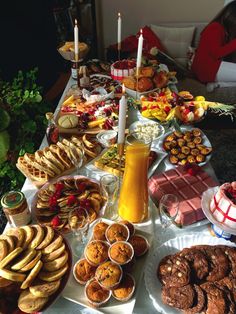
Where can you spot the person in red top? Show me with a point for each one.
(217, 42)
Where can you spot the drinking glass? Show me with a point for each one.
(109, 186)
(168, 210)
(79, 224)
(76, 155)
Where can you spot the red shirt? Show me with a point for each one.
(211, 49)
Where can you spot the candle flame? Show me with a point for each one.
(75, 22)
(141, 31)
(119, 15)
(123, 89)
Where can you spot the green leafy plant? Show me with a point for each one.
(22, 125)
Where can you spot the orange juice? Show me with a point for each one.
(133, 201)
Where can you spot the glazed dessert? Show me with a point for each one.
(117, 232)
(122, 68)
(83, 271)
(121, 252)
(96, 294)
(140, 245)
(223, 204)
(96, 252)
(99, 231)
(109, 275)
(185, 184)
(199, 279)
(125, 289)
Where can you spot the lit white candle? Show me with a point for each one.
(140, 49)
(122, 117)
(76, 41)
(119, 32)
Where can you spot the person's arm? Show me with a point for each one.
(215, 42)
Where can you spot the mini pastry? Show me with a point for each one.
(109, 275)
(185, 150)
(129, 82)
(121, 252)
(167, 145)
(178, 134)
(96, 294)
(140, 245)
(194, 152)
(173, 159)
(200, 158)
(174, 151)
(117, 232)
(96, 252)
(125, 289)
(206, 151)
(196, 132)
(99, 231)
(130, 227)
(191, 145)
(144, 84)
(197, 140)
(181, 142)
(83, 271)
(191, 159)
(181, 156)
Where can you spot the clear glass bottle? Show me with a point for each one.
(52, 131)
(74, 69)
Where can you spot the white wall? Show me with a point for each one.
(137, 13)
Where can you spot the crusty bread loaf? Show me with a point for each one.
(68, 121)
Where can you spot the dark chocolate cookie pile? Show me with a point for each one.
(200, 279)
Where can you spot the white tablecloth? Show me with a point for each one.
(143, 302)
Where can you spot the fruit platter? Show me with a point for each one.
(53, 202)
(35, 264)
(166, 105)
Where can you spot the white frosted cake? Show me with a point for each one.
(223, 204)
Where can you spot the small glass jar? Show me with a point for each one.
(16, 209)
(74, 69)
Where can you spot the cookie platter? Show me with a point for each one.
(35, 263)
(52, 203)
(153, 285)
(75, 291)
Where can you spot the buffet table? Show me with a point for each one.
(143, 303)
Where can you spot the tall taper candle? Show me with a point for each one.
(140, 49)
(122, 117)
(76, 41)
(119, 31)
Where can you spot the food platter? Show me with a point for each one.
(172, 246)
(75, 292)
(206, 199)
(152, 128)
(13, 293)
(74, 191)
(205, 141)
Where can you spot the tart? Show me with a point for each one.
(125, 289)
(96, 252)
(140, 245)
(117, 232)
(109, 275)
(121, 252)
(83, 271)
(96, 294)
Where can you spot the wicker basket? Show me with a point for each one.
(67, 50)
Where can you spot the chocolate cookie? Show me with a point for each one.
(216, 302)
(179, 297)
(231, 253)
(198, 303)
(228, 283)
(218, 260)
(198, 262)
(174, 271)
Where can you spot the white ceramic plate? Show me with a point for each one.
(75, 292)
(134, 127)
(205, 141)
(206, 199)
(153, 285)
(137, 95)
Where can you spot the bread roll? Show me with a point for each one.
(68, 121)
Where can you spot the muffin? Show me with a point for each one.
(124, 291)
(140, 245)
(96, 294)
(130, 227)
(128, 268)
(96, 252)
(117, 232)
(109, 275)
(99, 231)
(83, 271)
(121, 252)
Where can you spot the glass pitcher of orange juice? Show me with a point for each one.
(133, 200)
